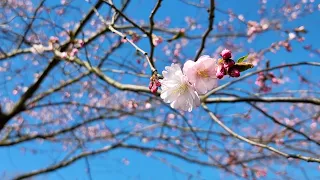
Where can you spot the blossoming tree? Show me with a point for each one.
(209, 83)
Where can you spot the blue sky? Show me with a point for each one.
(110, 165)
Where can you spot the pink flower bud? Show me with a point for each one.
(135, 38)
(158, 84)
(260, 83)
(123, 40)
(64, 55)
(275, 80)
(81, 43)
(54, 39)
(228, 63)
(150, 85)
(156, 40)
(234, 72)
(154, 89)
(265, 89)
(226, 54)
(220, 71)
(313, 125)
(74, 52)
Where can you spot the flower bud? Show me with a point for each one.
(64, 55)
(150, 84)
(81, 43)
(228, 63)
(154, 89)
(275, 80)
(234, 72)
(157, 83)
(226, 54)
(220, 71)
(54, 39)
(74, 52)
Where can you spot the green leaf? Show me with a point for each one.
(243, 58)
(243, 66)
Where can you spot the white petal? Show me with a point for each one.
(176, 89)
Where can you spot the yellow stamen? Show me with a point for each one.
(181, 89)
(203, 73)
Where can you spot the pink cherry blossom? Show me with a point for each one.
(202, 73)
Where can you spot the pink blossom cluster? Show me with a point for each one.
(262, 81)
(255, 27)
(181, 88)
(154, 84)
(226, 65)
(134, 37)
(73, 49)
(156, 40)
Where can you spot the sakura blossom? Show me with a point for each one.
(202, 73)
(177, 90)
(82, 89)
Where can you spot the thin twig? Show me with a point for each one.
(210, 27)
(151, 18)
(112, 29)
(234, 134)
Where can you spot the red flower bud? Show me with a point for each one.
(154, 89)
(150, 85)
(220, 71)
(234, 72)
(228, 63)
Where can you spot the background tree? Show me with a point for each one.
(75, 99)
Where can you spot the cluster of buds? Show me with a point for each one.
(156, 40)
(78, 43)
(73, 50)
(262, 81)
(134, 37)
(154, 83)
(255, 27)
(227, 65)
(53, 42)
(286, 45)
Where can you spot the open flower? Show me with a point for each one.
(202, 73)
(177, 90)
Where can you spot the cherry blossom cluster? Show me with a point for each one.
(227, 65)
(156, 40)
(73, 49)
(53, 44)
(182, 87)
(262, 81)
(154, 83)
